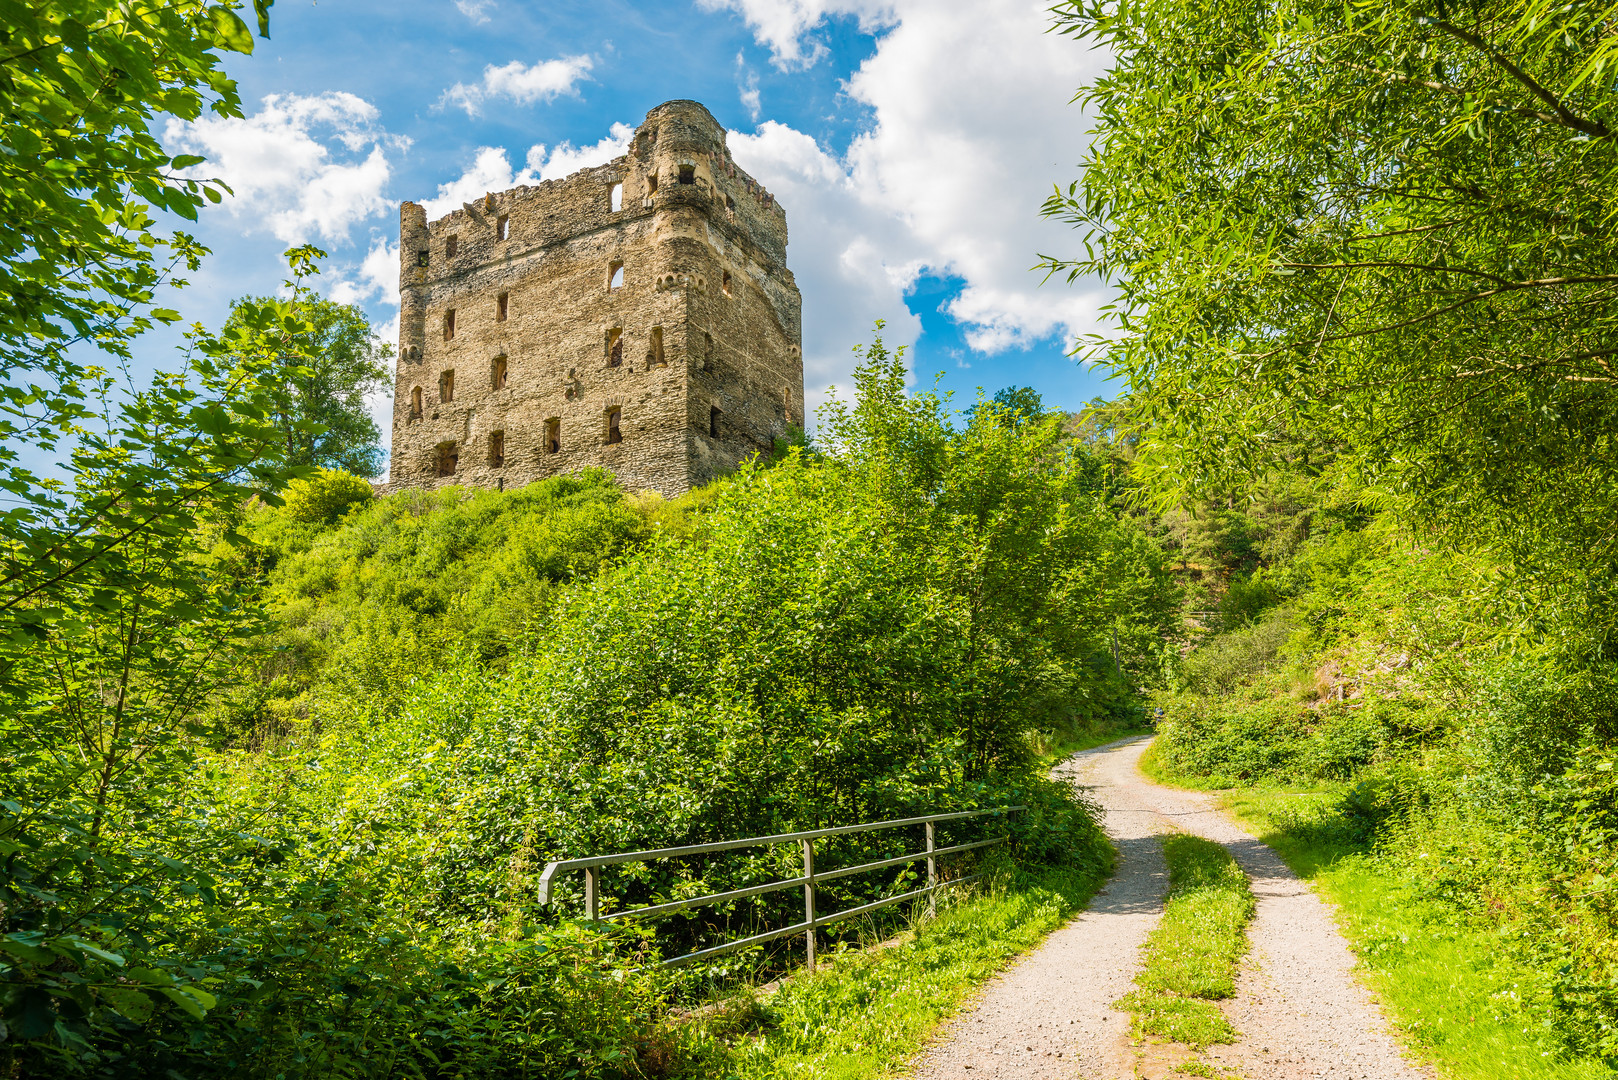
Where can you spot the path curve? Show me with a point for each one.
(1298, 1008)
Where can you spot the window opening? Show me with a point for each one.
(415, 404)
(688, 174)
(449, 324)
(707, 351)
(724, 283)
(553, 435)
(446, 388)
(448, 458)
(502, 304)
(497, 449)
(618, 196)
(615, 274)
(654, 354)
(422, 257)
(614, 430)
(730, 204)
(497, 374)
(615, 348)
(651, 183)
(452, 244)
(713, 422)
(502, 227)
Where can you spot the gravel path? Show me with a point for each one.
(1298, 1007)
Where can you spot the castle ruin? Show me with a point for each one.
(638, 316)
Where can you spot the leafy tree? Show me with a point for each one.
(118, 633)
(320, 393)
(1384, 226)
(82, 85)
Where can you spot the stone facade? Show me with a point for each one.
(638, 316)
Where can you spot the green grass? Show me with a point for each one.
(1448, 983)
(869, 1012)
(1190, 958)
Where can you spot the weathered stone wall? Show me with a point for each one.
(508, 311)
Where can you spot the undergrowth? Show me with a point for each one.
(1190, 958)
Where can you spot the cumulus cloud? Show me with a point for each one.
(852, 260)
(302, 167)
(783, 25)
(491, 168)
(520, 83)
(970, 127)
(377, 276)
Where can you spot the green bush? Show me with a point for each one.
(325, 495)
(1229, 660)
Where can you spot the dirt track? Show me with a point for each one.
(1298, 1008)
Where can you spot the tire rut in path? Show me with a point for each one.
(1300, 1012)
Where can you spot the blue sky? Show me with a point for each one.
(910, 142)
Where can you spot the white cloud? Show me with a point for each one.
(476, 10)
(970, 128)
(781, 25)
(303, 167)
(852, 260)
(377, 276)
(747, 88)
(519, 82)
(491, 169)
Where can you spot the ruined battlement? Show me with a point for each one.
(638, 316)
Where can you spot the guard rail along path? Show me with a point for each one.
(591, 865)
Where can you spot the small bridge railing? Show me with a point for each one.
(932, 853)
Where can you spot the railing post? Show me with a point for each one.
(592, 899)
(932, 872)
(809, 899)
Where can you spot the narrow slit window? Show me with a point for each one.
(707, 351)
(502, 304)
(553, 435)
(713, 422)
(617, 196)
(688, 174)
(724, 283)
(452, 244)
(446, 388)
(654, 352)
(651, 183)
(615, 348)
(615, 274)
(497, 373)
(497, 449)
(449, 324)
(415, 404)
(615, 433)
(448, 459)
(502, 227)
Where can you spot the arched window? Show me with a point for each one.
(415, 404)
(615, 418)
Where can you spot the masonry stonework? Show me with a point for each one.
(638, 316)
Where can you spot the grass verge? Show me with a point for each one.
(870, 1011)
(1190, 958)
(1447, 982)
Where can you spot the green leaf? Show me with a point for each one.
(233, 34)
(132, 1003)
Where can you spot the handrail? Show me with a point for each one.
(591, 866)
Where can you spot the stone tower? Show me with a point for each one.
(638, 316)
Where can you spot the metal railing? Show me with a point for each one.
(811, 921)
